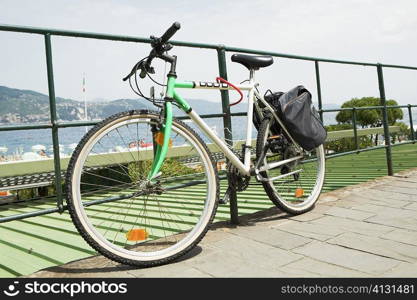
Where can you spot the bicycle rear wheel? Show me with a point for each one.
(294, 186)
(123, 215)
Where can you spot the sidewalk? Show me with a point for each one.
(364, 230)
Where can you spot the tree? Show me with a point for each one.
(369, 117)
(404, 132)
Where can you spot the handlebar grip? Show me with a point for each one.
(170, 32)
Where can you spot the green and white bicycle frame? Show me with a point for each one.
(253, 98)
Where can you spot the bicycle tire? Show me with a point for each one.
(283, 195)
(92, 236)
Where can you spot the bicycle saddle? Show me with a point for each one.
(253, 62)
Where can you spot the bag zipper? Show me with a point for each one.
(291, 101)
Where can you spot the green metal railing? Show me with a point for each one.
(55, 125)
(386, 131)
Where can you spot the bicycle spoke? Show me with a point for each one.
(128, 211)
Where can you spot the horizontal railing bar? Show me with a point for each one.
(122, 197)
(398, 67)
(92, 123)
(318, 59)
(95, 35)
(335, 109)
(77, 123)
(30, 214)
(90, 203)
(300, 57)
(364, 150)
(355, 151)
(367, 107)
(208, 116)
(358, 151)
(25, 127)
(404, 143)
(113, 37)
(69, 33)
(239, 114)
(110, 199)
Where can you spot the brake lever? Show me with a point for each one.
(145, 70)
(140, 65)
(135, 67)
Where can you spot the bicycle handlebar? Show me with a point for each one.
(170, 32)
(159, 46)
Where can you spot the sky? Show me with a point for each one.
(365, 30)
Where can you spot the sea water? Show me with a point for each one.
(18, 142)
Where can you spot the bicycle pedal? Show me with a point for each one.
(226, 197)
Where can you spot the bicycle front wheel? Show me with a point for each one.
(122, 214)
(296, 185)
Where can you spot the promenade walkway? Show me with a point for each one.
(363, 230)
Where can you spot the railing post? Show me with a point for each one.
(388, 152)
(410, 115)
(316, 64)
(355, 130)
(227, 125)
(53, 115)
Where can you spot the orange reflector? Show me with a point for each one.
(159, 139)
(274, 137)
(137, 234)
(299, 193)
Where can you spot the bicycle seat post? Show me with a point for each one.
(251, 75)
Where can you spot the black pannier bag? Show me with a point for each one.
(272, 99)
(297, 113)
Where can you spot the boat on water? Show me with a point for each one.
(37, 148)
(140, 144)
(33, 156)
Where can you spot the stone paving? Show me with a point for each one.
(366, 230)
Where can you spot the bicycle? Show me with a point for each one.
(143, 187)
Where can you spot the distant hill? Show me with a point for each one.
(25, 106)
(22, 106)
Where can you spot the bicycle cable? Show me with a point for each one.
(137, 90)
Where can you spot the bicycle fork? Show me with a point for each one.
(161, 139)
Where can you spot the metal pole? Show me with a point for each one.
(355, 130)
(410, 115)
(316, 64)
(54, 118)
(227, 125)
(388, 152)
